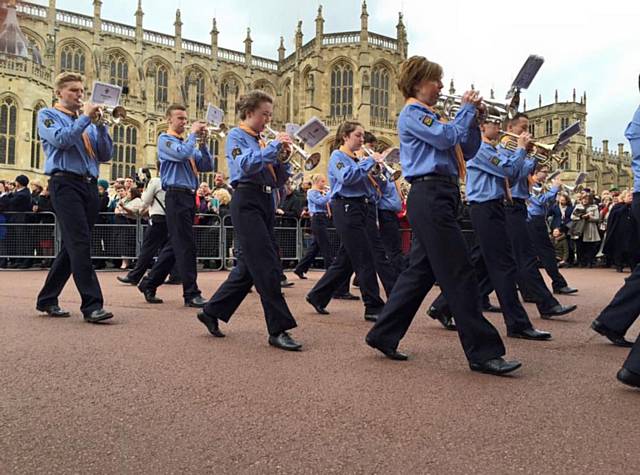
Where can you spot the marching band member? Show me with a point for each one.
(389, 205)
(318, 203)
(432, 154)
(617, 317)
(74, 148)
(350, 197)
(180, 161)
(255, 172)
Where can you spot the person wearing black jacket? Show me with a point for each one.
(19, 201)
(621, 240)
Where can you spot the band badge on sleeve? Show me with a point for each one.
(235, 152)
(495, 161)
(339, 165)
(168, 143)
(427, 121)
(48, 123)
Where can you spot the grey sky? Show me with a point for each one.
(586, 45)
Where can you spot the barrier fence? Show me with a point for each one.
(36, 236)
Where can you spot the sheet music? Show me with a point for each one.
(107, 94)
(565, 136)
(581, 178)
(312, 132)
(214, 115)
(526, 74)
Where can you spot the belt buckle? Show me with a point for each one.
(267, 189)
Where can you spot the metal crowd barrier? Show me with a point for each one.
(37, 236)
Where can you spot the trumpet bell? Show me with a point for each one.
(118, 114)
(312, 161)
(395, 175)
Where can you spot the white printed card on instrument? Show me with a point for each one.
(214, 115)
(312, 132)
(107, 94)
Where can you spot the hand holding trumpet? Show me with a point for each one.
(91, 110)
(524, 139)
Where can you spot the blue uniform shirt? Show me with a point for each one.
(174, 155)
(247, 160)
(390, 199)
(317, 202)
(539, 204)
(633, 136)
(520, 183)
(61, 136)
(348, 177)
(486, 173)
(427, 145)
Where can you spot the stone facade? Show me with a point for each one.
(333, 76)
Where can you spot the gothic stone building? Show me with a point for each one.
(333, 76)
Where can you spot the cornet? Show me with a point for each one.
(109, 116)
(309, 160)
(495, 111)
(380, 167)
(542, 152)
(218, 131)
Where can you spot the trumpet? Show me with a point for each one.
(111, 116)
(380, 167)
(218, 131)
(542, 152)
(309, 160)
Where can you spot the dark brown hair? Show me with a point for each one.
(415, 70)
(174, 107)
(250, 102)
(344, 130)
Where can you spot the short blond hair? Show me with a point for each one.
(66, 77)
(222, 195)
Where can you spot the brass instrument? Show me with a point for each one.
(308, 160)
(380, 167)
(109, 115)
(542, 152)
(495, 111)
(218, 131)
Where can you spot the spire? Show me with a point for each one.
(539, 100)
(556, 96)
(574, 94)
(97, 5)
(178, 21)
(525, 105)
(12, 40)
(214, 27)
(319, 23)
(139, 15)
(281, 49)
(491, 94)
(452, 89)
(247, 43)
(299, 35)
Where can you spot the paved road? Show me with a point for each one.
(153, 393)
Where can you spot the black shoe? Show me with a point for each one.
(491, 308)
(557, 310)
(613, 336)
(286, 283)
(98, 316)
(284, 342)
(211, 323)
(497, 366)
(300, 274)
(347, 296)
(196, 302)
(316, 307)
(371, 317)
(390, 353)
(173, 281)
(126, 280)
(150, 297)
(629, 378)
(53, 311)
(445, 320)
(530, 334)
(566, 290)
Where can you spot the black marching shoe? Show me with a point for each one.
(284, 342)
(566, 290)
(316, 307)
(347, 296)
(558, 310)
(98, 316)
(613, 336)
(391, 353)
(629, 378)
(491, 308)
(496, 366)
(53, 311)
(445, 320)
(286, 283)
(150, 297)
(195, 302)
(211, 323)
(371, 316)
(126, 280)
(530, 334)
(300, 274)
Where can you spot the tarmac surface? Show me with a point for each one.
(152, 392)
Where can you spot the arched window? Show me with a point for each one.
(579, 160)
(287, 103)
(160, 73)
(341, 90)
(8, 126)
(118, 69)
(36, 145)
(548, 127)
(380, 93)
(532, 129)
(196, 78)
(72, 59)
(565, 157)
(228, 86)
(125, 146)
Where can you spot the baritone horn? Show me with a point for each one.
(309, 160)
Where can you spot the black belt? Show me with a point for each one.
(515, 201)
(180, 189)
(451, 179)
(319, 214)
(500, 201)
(358, 199)
(254, 186)
(75, 176)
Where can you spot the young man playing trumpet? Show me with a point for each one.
(74, 148)
(433, 153)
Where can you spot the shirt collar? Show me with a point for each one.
(173, 133)
(347, 151)
(64, 110)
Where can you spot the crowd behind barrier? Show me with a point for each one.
(30, 236)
